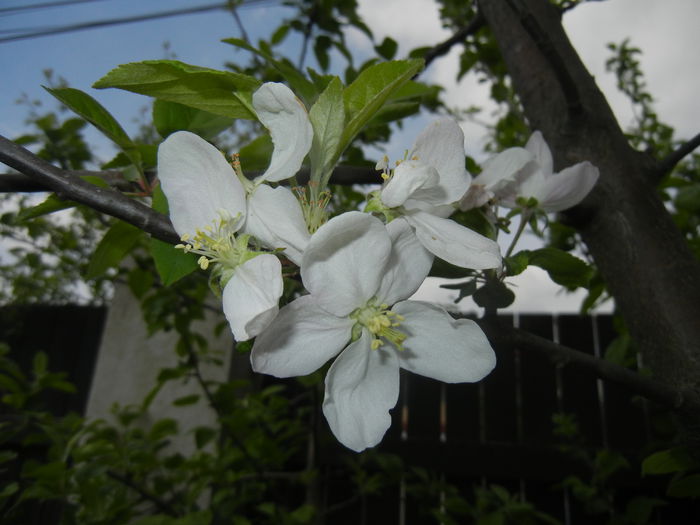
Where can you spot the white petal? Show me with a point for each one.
(285, 117)
(454, 243)
(300, 340)
(441, 210)
(343, 263)
(275, 219)
(198, 182)
(539, 148)
(362, 385)
(533, 184)
(441, 145)
(475, 197)
(499, 179)
(568, 187)
(251, 296)
(501, 170)
(408, 264)
(438, 346)
(408, 177)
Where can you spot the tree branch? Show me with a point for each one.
(444, 47)
(676, 399)
(17, 182)
(29, 183)
(642, 256)
(667, 164)
(75, 189)
(544, 43)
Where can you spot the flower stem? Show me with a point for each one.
(524, 219)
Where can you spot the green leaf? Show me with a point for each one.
(688, 198)
(163, 428)
(203, 436)
(370, 90)
(9, 490)
(466, 289)
(198, 87)
(687, 487)
(621, 352)
(280, 34)
(668, 462)
(92, 111)
(516, 263)
(494, 294)
(169, 117)
(446, 270)
(171, 264)
(119, 240)
(321, 47)
(50, 205)
(328, 119)
(387, 49)
(639, 510)
(40, 364)
(256, 154)
(186, 400)
(297, 81)
(562, 267)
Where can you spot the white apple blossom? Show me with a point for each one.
(209, 205)
(519, 175)
(355, 269)
(421, 191)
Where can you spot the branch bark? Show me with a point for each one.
(642, 256)
(671, 161)
(665, 395)
(18, 182)
(75, 189)
(460, 36)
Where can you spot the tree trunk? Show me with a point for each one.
(642, 256)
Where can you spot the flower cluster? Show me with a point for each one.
(359, 268)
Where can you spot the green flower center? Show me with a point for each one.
(218, 244)
(313, 205)
(381, 322)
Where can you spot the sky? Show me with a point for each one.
(666, 31)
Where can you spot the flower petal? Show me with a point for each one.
(275, 219)
(362, 385)
(441, 145)
(343, 263)
(408, 266)
(499, 179)
(539, 148)
(453, 242)
(251, 296)
(408, 177)
(438, 346)
(501, 170)
(568, 187)
(198, 182)
(300, 340)
(285, 117)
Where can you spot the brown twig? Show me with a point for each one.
(500, 334)
(666, 164)
(444, 47)
(71, 188)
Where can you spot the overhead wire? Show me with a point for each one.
(11, 10)
(54, 30)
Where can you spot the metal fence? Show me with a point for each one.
(497, 431)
